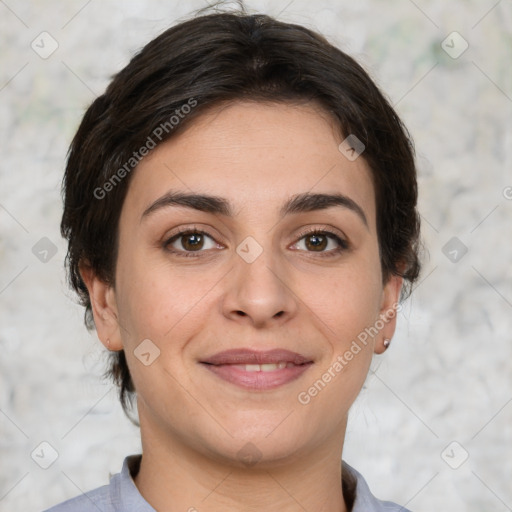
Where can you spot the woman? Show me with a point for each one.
(240, 207)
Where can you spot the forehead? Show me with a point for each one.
(254, 154)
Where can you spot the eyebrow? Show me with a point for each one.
(299, 203)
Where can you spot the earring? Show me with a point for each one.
(108, 342)
(386, 343)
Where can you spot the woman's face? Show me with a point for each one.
(256, 279)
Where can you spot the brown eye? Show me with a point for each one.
(189, 241)
(325, 243)
(192, 242)
(316, 242)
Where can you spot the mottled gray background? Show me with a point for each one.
(446, 377)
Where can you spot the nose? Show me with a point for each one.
(259, 293)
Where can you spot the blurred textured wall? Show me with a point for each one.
(433, 425)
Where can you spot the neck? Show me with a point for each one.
(174, 476)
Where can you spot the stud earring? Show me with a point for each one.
(108, 342)
(386, 343)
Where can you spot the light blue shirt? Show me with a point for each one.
(121, 495)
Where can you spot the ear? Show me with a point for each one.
(104, 308)
(388, 311)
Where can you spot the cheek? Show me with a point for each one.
(345, 306)
(157, 301)
(346, 299)
(345, 302)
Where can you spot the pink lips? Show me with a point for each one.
(230, 365)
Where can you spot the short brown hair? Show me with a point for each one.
(212, 59)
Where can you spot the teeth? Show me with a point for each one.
(269, 367)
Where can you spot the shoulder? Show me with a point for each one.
(92, 501)
(363, 499)
(120, 495)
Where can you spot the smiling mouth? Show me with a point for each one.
(244, 356)
(257, 370)
(268, 367)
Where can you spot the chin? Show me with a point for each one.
(260, 446)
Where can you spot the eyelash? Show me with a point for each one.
(344, 245)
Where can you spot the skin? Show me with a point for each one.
(193, 424)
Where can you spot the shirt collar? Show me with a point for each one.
(124, 493)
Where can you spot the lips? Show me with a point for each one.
(257, 370)
(252, 357)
